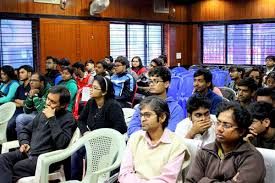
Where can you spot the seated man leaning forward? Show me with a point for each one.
(199, 124)
(230, 158)
(50, 130)
(155, 154)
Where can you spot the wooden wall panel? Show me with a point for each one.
(218, 10)
(128, 9)
(73, 39)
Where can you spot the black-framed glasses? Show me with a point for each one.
(225, 125)
(147, 115)
(155, 82)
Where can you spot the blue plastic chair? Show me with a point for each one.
(175, 87)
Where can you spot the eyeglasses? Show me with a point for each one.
(155, 82)
(147, 115)
(225, 125)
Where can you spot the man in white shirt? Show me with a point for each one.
(199, 124)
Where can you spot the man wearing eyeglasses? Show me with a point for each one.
(123, 83)
(229, 158)
(199, 124)
(262, 130)
(159, 80)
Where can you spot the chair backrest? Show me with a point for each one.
(6, 112)
(269, 160)
(228, 93)
(175, 86)
(104, 148)
(128, 113)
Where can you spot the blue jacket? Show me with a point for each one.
(176, 115)
(124, 86)
(214, 99)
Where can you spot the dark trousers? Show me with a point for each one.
(77, 164)
(15, 165)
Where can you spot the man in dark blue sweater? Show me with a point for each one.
(51, 129)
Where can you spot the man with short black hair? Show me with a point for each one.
(53, 76)
(236, 74)
(123, 83)
(202, 86)
(262, 130)
(159, 81)
(246, 91)
(81, 78)
(101, 69)
(229, 158)
(90, 67)
(51, 129)
(265, 95)
(199, 124)
(270, 64)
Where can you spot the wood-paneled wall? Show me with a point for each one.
(73, 39)
(219, 10)
(128, 9)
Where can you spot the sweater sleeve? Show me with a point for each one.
(26, 134)
(116, 117)
(11, 93)
(61, 132)
(82, 120)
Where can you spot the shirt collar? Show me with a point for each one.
(163, 139)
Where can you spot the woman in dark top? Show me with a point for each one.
(101, 111)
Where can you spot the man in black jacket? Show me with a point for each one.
(51, 129)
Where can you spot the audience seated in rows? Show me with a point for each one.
(102, 111)
(123, 82)
(202, 87)
(53, 76)
(70, 84)
(262, 130)
(51, 129)
(236, 74)
(229, 158)
(9, 86)
(25, 73)
(199, 124)
(159, 81)
(35, 101)
(154, 154)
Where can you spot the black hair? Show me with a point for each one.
(27, 68)
(9, 71)
(79, 65)
(123, 60)
(164, 58)
(238, 68)
(159, 106)
(69, 69)
(240, 115)
(64, 62)
(41, 77)
(64, 94)
(266, 92)
(256, 69)
(106, 86)
(195, 102)
(249, 82)
(207, 75)
(271, 75)
(162, 72)
(158, 61)
(55, 60)
(90, 62)
(139, 60)
(110, 58)
(261, 111)
(103, 63)
(271, 57)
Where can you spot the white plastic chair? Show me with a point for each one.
(104, 148)
(128, 113)
(57, 175)
(6, 112)
(269, 160)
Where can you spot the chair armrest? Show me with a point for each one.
(6, 146)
